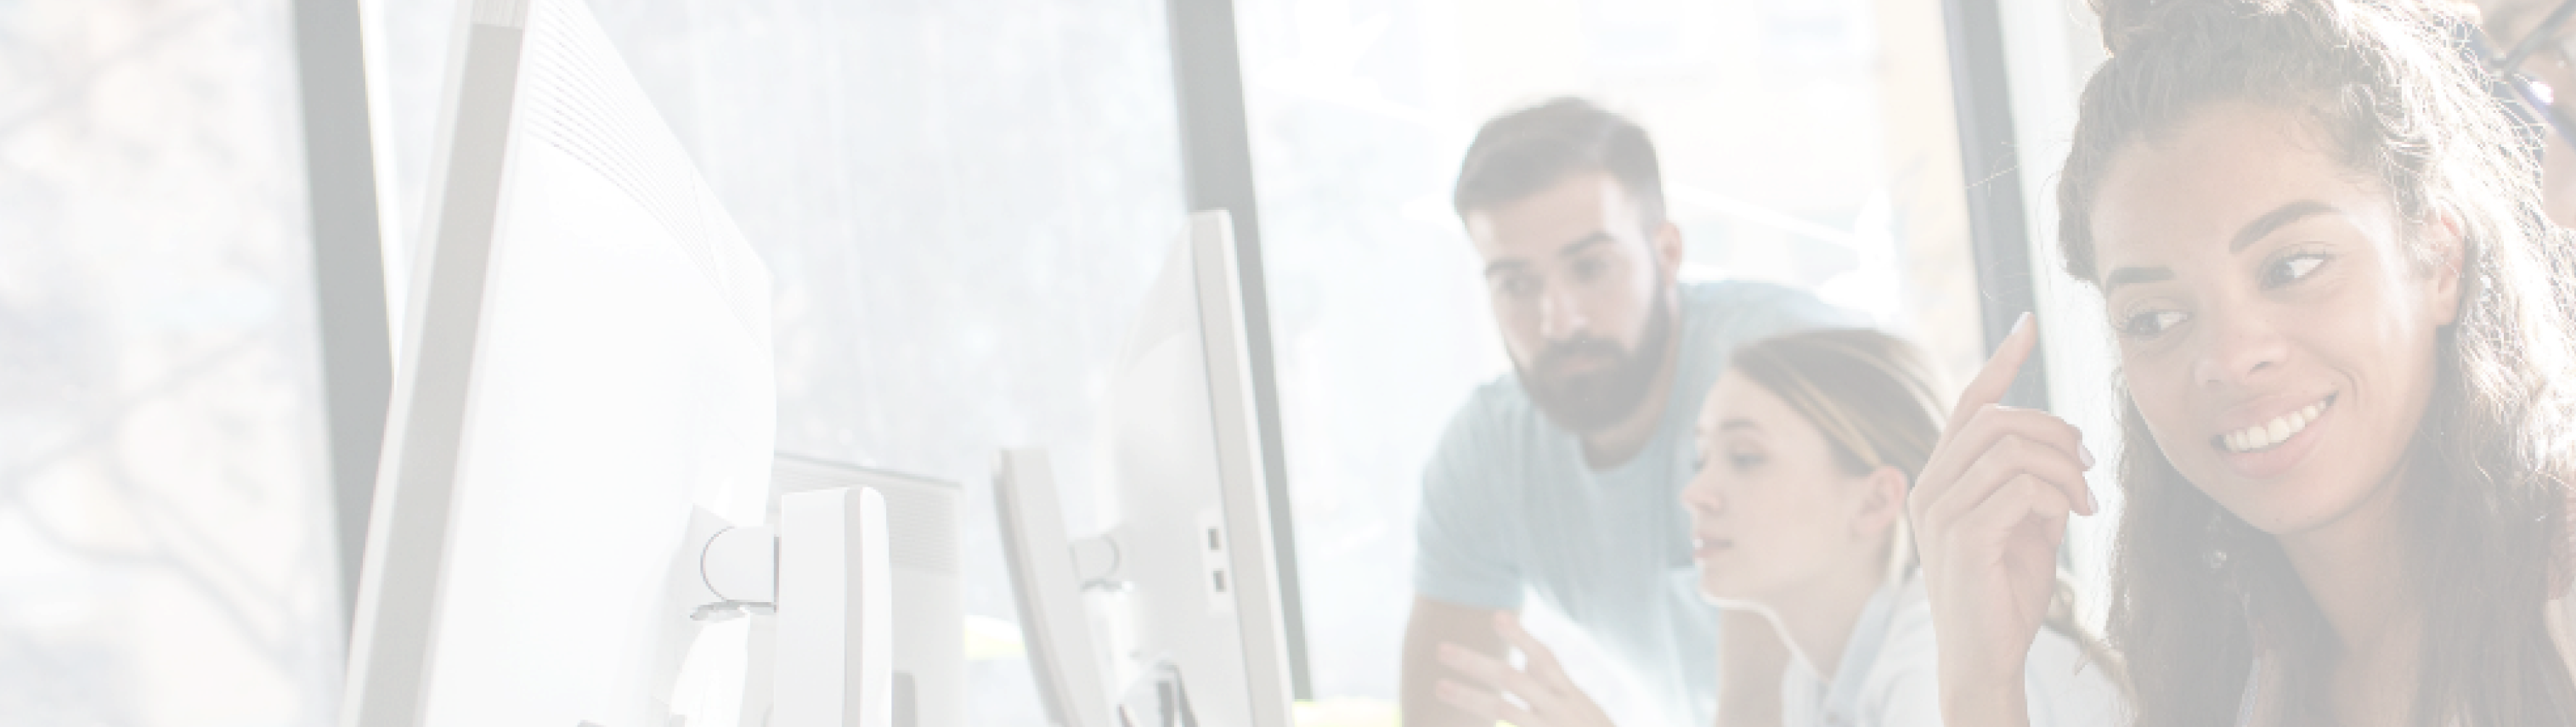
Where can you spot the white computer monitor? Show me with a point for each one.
(1184, 580)
(928, 685)
(586, 362)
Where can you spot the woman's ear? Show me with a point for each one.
(1882, 501)
(2448, 244)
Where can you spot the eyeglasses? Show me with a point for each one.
(2533, 99)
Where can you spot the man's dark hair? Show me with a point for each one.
(1519, 153)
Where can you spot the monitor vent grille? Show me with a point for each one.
(922, 528)
(504, 13)
(578, 97)
(921, 515)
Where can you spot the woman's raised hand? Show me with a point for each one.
(1539, 692)
(1989, 510)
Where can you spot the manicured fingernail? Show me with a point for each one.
(2091, 504)
(2019, 323)
(2085, 454)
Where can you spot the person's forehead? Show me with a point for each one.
(1712, 405)
(1735, 397)
(2190, 191)
(1565, 209)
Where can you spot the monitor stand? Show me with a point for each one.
(1158, 699)
(822, 580)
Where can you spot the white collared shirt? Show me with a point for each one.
(1887, 675)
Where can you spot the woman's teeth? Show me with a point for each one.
(2271, 434)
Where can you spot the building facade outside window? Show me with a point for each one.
(166, 547)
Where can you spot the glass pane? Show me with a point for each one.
(1802, 142)
(2051, 62)
(961, 204)
(164, 502)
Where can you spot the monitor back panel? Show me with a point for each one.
(592, 362)
(929, 619)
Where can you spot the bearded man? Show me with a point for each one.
(1562, 480)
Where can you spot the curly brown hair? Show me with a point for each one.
(2198, 593)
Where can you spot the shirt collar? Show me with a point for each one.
(1861, 653)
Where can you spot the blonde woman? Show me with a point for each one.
(1807, 446)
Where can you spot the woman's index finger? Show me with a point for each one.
(1995, 378)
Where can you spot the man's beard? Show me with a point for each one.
(1593, 401)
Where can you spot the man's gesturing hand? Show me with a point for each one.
(1538, 694)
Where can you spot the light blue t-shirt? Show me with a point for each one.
(1509, 507)
(1887, 675)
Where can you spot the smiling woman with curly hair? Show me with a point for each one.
(2343, 352)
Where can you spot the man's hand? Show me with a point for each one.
(1434, 623)
(1538, 694)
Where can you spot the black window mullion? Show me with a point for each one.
(1998, 226)
(1216, 164)
(348, 266)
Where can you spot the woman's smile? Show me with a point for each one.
(2277, 442)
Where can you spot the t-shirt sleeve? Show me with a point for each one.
(1462, 550)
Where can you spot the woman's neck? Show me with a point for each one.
(2353, 571)
(1818, 620)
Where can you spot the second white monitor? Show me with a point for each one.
(1185, 576)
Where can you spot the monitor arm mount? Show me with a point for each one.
(736, 573)
(1096, 561)
(823, 574)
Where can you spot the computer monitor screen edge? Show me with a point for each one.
(1189, 583)
(1054, 624)
(404, 547)
(660, 397)
(1261, 625)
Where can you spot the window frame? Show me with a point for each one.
(1215, 152)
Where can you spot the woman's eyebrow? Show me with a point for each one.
(2270, 222)
(2125, 276)
(2276, 219)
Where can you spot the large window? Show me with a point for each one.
(166, 553)
(1803, 142)
(961, 205)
